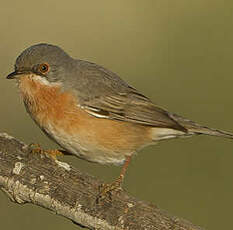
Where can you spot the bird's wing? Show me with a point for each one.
(112, 98)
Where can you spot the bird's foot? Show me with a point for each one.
(52, 153)
(35, 148)
(106, 191)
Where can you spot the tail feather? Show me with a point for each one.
(195, 128)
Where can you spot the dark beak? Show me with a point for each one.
(15, 74)
(12, 75)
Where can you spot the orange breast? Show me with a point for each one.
(52, 107)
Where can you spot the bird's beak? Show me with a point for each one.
(12, 75)
(15, 74)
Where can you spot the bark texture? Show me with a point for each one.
(38, 179)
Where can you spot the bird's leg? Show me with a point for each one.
(107, 189)
(120, 179)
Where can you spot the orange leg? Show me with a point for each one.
(120, 179)
(106, 190)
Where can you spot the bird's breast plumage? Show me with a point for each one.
(96, 139)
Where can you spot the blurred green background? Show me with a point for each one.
(179, 53)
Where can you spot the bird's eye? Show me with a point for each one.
(44, 68)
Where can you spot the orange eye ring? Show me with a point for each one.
(43, 68)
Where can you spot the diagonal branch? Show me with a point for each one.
(54, 185)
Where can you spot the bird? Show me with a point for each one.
(92, 113)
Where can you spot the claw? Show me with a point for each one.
(106, 191)
(35, 148)
(52, 153)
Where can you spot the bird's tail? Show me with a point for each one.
(194, 128)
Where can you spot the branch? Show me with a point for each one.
(38, 179)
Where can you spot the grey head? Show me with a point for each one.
(88, 80)
(46, 60)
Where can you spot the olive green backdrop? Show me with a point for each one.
(179, 53)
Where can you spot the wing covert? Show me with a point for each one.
(105, 95)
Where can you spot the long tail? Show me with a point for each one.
(194, 128)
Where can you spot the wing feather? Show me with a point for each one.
(104, 94)
(131, 108)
